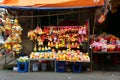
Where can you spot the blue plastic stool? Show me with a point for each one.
(60, 66)
(77, 66)
(22, 66)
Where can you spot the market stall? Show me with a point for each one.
(104, 43)
(59, 43)
(105, 49)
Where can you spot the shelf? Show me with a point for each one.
(106, 52)
(40, 59)
(73, 61)
(57, 60)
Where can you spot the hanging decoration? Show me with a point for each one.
(11, 31)
(14, 32)
(101, 13)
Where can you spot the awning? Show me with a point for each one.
(50, 4)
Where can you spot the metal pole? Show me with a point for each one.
(93, 32)
(89, 51)
(57, 20)
(49, 18)
(79, 17)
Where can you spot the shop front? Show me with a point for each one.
(54, 36)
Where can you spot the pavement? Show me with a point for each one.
(85, 75)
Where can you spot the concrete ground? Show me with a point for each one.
(94, 75)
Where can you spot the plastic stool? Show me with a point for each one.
(22, 66)
(77, 66)
(60, 66)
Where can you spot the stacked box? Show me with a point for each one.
(77, 66)
(22, 66)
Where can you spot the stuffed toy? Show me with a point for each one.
(38, 30)
(32, 35)
(17, 47)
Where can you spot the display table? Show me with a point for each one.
(29, 62)
(60, 66)
(105, 58)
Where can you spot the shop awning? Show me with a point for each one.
(50, 4)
